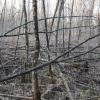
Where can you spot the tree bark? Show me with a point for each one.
(36, 92)
(47, 39)
(25, 78)
(70, 31)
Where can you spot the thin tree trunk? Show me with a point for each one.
(58, 23)
(26, 30)
(36, 92)
(24, 77)
(63, 30)
(47, 39)
(90, 22)
(57, 5)
(70, 32)
(37, 44)
(80, 24)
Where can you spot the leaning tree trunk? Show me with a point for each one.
(52, 22)
(35, 88)
(47, 38)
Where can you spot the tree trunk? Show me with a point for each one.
(36, 92)
(25, 78)
(70, 31)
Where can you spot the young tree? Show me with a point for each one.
(36, 92)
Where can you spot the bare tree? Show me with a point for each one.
(47, 38)
(52, 22)
(70, 32)
(58, 22)
(36, 92)
(26, 40)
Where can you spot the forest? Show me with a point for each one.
(49, 49)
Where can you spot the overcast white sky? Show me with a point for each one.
(18, 3)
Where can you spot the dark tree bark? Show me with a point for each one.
(36, 92)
